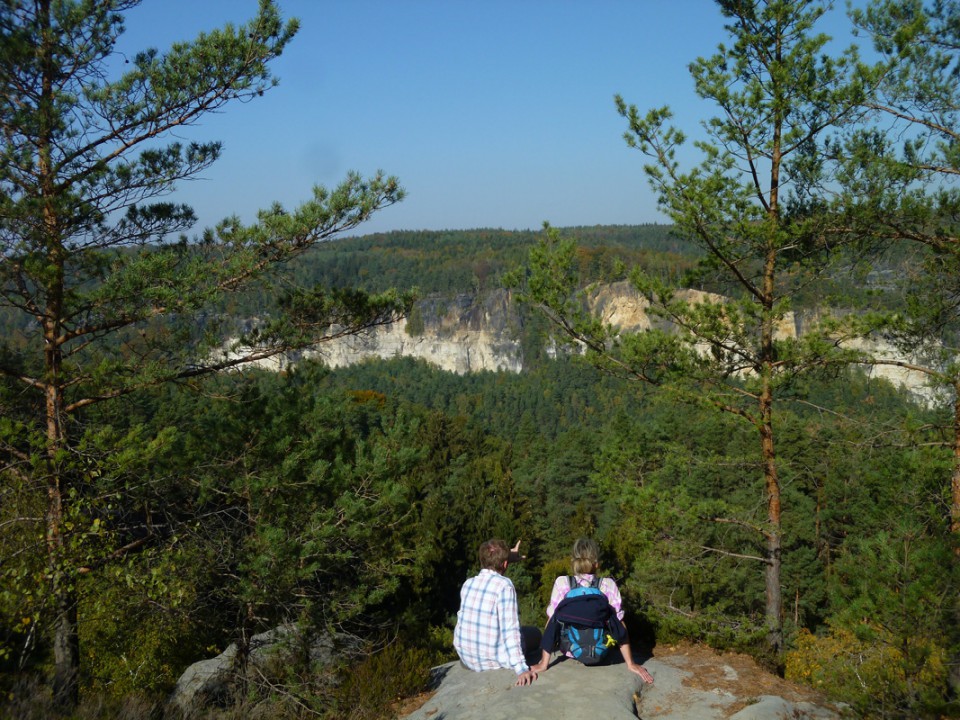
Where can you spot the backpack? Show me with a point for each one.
(584, 616)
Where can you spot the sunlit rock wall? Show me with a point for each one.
(460, 334)
(470, 333)
(461, 351)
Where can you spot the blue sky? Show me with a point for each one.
(492, 113)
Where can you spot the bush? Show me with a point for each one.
(871, 674)
(132, 644)
(717, 630)
(30, 699)
(372, 688)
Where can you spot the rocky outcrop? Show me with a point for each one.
(468, 333)
(691, 683)
(461, 351)
(460, 334)
(214, 682)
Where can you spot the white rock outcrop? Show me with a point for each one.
(467, 333)
(462, 351)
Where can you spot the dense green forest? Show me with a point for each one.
(442, 264)
(161, 499)
(473, 260)
(356, 498)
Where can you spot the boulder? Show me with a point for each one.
(211, 682)
(691, 682)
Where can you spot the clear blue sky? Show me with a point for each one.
(493, 113)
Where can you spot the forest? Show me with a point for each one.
(162, 499)
(356, 498)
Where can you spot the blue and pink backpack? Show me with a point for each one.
(588, 624)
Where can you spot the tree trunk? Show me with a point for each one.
(774, 598)
(66, 645)
(954, 637)
(955, 479)
(66, 642)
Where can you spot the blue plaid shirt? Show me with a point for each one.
(487, 635)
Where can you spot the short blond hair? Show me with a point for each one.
(585, 556)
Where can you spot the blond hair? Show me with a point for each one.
(585, 556)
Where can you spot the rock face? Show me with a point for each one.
(564, 691)
(469, 333)
(461, 334)
(691, 683)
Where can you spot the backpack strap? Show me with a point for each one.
(595, 583)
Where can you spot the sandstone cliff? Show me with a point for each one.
(470, 333)
(459, 334)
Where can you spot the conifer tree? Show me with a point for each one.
(753, 206)
(109, 295)
(900, 175)
(901, 179)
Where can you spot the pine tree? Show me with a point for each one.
(110, 295)
(900, 179)
(754, 207)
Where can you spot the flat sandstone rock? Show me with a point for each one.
(567, 689)
(691, 683)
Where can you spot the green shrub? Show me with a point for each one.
(872, 675)
(132, 644)
(372, 688)
(721, 632)
(30, 699)
(415, 325)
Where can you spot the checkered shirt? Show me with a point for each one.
(487, 635)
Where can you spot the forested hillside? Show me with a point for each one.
(463, 260)
(435, 263)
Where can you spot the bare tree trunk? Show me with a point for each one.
(66, 646)
(66, 643)
(955, 479)
(774, 596)
(954, 677)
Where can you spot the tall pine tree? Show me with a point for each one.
(108, 296)
(753, 206)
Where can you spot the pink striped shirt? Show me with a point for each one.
(608, 586)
